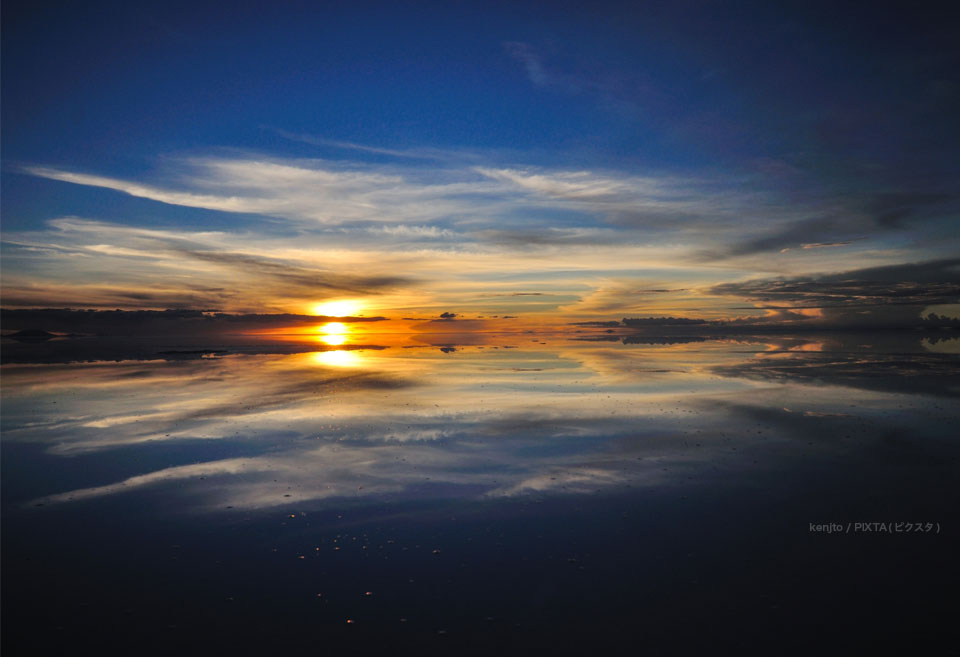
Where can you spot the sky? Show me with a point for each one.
(554, 162)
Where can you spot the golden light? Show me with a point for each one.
(333, 340)
(334, 328)
(336, 358)
(342, 308)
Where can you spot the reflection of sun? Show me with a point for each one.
(335, 334)
(337, 358)
(341, 308)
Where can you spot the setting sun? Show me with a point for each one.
(334, 328)
(342, 308)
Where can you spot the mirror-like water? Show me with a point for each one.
(516, 491)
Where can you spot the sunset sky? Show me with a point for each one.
(553, 162)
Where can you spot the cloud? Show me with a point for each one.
(936, 281)
(896, 209)
(413, 232)
(293, 277)
(587, 186)
(415, 154)
(419, 236)
(408, 201)
(845, 221)
(85, 263)
(892, 294)
(344, 193)
(888, 296)
(532, 63)
(820, 245)
(630, 296)
(156, 322)
(546, 236)
(301, 190)
(626, 93)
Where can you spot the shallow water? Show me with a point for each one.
(519, 493)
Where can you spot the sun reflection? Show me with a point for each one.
(335, 334)
(336, 358)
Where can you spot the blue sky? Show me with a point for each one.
(427, 157)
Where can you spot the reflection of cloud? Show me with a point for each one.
(579, 480)
(930, 374)
(479, 423)
(326, 433)
(188, 400)
(230, 466)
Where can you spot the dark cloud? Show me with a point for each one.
(60, 296)
(892, 294)
(818, 230)
(887, 297)
(598, 324)
(662, 321)
(894, 210)
(860, 218)
(548, 236)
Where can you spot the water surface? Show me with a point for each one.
(519, 493)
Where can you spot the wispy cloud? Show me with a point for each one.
(532, 63)
(320, 228)
(418, 153)
(83, 263)
(305, 191)
(338, 193)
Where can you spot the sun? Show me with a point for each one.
(333, 333)
(334, 328)
(341, 308)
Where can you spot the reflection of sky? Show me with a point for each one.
(478, 421)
